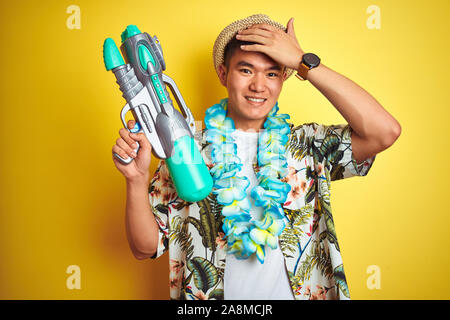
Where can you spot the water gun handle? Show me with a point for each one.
(187, 114)
(137, 129)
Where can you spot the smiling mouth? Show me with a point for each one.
(255, 100)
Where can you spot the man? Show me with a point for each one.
(215, 257)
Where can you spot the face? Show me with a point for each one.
(254, 82)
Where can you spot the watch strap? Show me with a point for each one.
(302, 71)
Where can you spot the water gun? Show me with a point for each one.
(171, 134)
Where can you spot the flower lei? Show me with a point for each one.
(245, 235)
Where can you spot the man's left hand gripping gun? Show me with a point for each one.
(171, 134)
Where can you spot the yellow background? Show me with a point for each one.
(62, 200)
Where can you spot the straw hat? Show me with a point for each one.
(232, 29)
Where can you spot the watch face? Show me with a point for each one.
(311, 60)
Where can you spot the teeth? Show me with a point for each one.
(256, 100)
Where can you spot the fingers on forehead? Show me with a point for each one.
(264, 26)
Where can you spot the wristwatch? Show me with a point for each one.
(309, 61)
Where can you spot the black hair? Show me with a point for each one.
(231, 47)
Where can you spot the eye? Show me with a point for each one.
(273, 74)
(243, 70)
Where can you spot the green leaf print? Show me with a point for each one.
(216, 294)
(339, 278)
(304, 272)
(180, 205)
(299, 145)
(310, 173)
(208, 224)
(196, 223)
(316, 153)
(205, 274)
(310, 195)
(162, 208)
(179, 234)
(319, 257)
(216, 209)
(326, 211)
(337, 172)
(290, 237)
(299, 217)
(288, 240)
(329, 148)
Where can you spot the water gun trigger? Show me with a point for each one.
(137, 128)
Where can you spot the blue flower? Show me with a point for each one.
(236, 208)
(263, 237)
(272, 169)
(275, 211)
(236, 226)
(215, 115)
(225, 170)
(265, 222)
(264, 196)
(225, 153)
(275, 184)
(268, 157)
(260, 253)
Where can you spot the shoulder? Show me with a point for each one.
(307, 129)
(304, 134)
(320, 131)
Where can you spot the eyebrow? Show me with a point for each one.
(246, 64)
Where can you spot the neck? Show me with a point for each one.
(247, 125)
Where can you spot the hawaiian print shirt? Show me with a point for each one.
(192, 232)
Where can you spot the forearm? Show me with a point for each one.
(363, 113)
(141, 226)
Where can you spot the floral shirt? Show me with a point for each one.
(192, 232)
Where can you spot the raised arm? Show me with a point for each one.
(373, 128)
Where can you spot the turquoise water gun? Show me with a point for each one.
(171, 134)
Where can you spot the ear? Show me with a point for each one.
(223, 74)
(285, 74)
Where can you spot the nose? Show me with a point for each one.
(258, 83)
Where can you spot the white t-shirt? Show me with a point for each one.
(249, 279)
